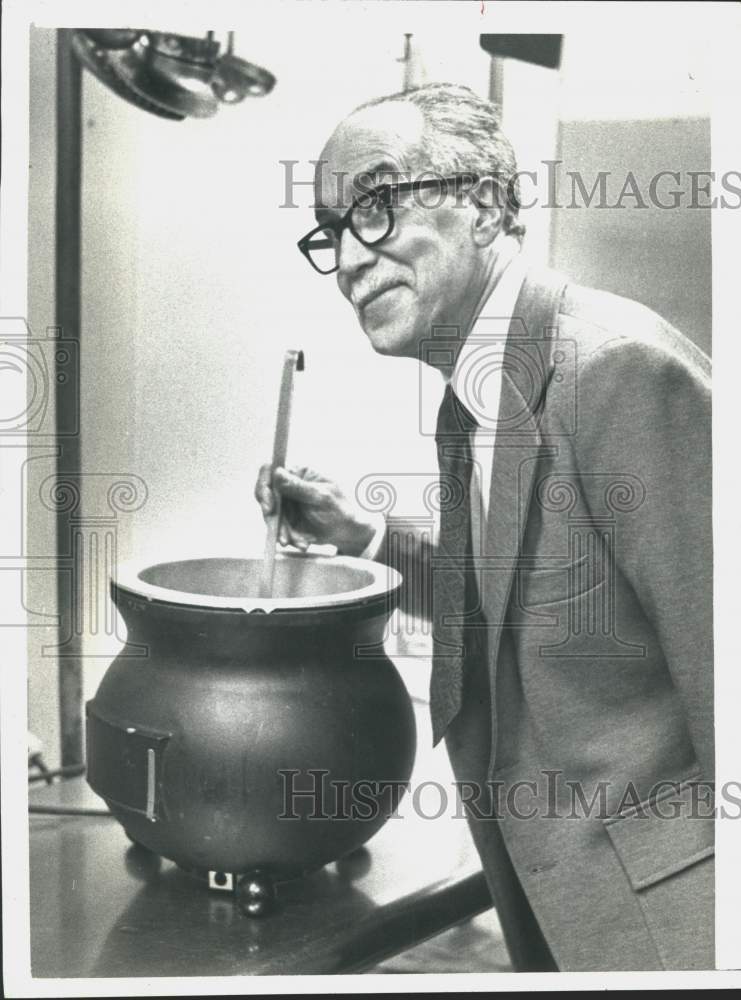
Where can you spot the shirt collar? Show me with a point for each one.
(500, 306)
(477, 369)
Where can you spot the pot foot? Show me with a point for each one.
(355, 864)
(142, 863)
(256, 894)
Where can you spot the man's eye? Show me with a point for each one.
(367, 202)
(369, 206)
(367, 213)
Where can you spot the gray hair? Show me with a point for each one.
(463, 134)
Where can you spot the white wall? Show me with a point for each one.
(639, 105)
(40, 541)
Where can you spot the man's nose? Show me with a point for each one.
(353, 256)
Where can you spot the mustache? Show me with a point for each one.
(360, 297)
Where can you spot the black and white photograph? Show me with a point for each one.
(367, 383)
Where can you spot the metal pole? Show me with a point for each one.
(67, 300)
(496, 80)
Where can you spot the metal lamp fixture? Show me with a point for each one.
(173, 76)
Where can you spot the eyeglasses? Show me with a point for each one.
(370, 218)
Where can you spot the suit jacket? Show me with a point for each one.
(585, 738)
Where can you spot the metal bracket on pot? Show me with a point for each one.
(124, 763)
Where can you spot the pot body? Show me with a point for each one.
(232, 740)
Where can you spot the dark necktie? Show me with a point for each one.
(454, 587)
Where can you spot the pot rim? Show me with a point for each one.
(386, 580)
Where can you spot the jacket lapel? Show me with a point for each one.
(518, 444)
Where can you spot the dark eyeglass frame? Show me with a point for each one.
(381, 194)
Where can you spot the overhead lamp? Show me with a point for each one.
(173, 76)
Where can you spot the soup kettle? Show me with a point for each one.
(252, 740)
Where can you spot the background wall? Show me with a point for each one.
(637, 106)
(40, 540)
(193, 288)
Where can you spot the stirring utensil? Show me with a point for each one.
(293, 362)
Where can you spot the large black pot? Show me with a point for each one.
(203, 739)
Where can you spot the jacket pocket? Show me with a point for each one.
(543, 587)
(666, 846)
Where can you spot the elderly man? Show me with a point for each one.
(572, 617)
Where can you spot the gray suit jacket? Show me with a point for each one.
(591, 716)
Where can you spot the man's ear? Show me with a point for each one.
(487, 199)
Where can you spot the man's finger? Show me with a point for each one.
(301, 539)
(307, 473)
(295, 488)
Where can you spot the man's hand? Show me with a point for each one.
(314, 509)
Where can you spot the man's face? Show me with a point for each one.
(428, 271)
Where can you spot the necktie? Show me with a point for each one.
(454, 588)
